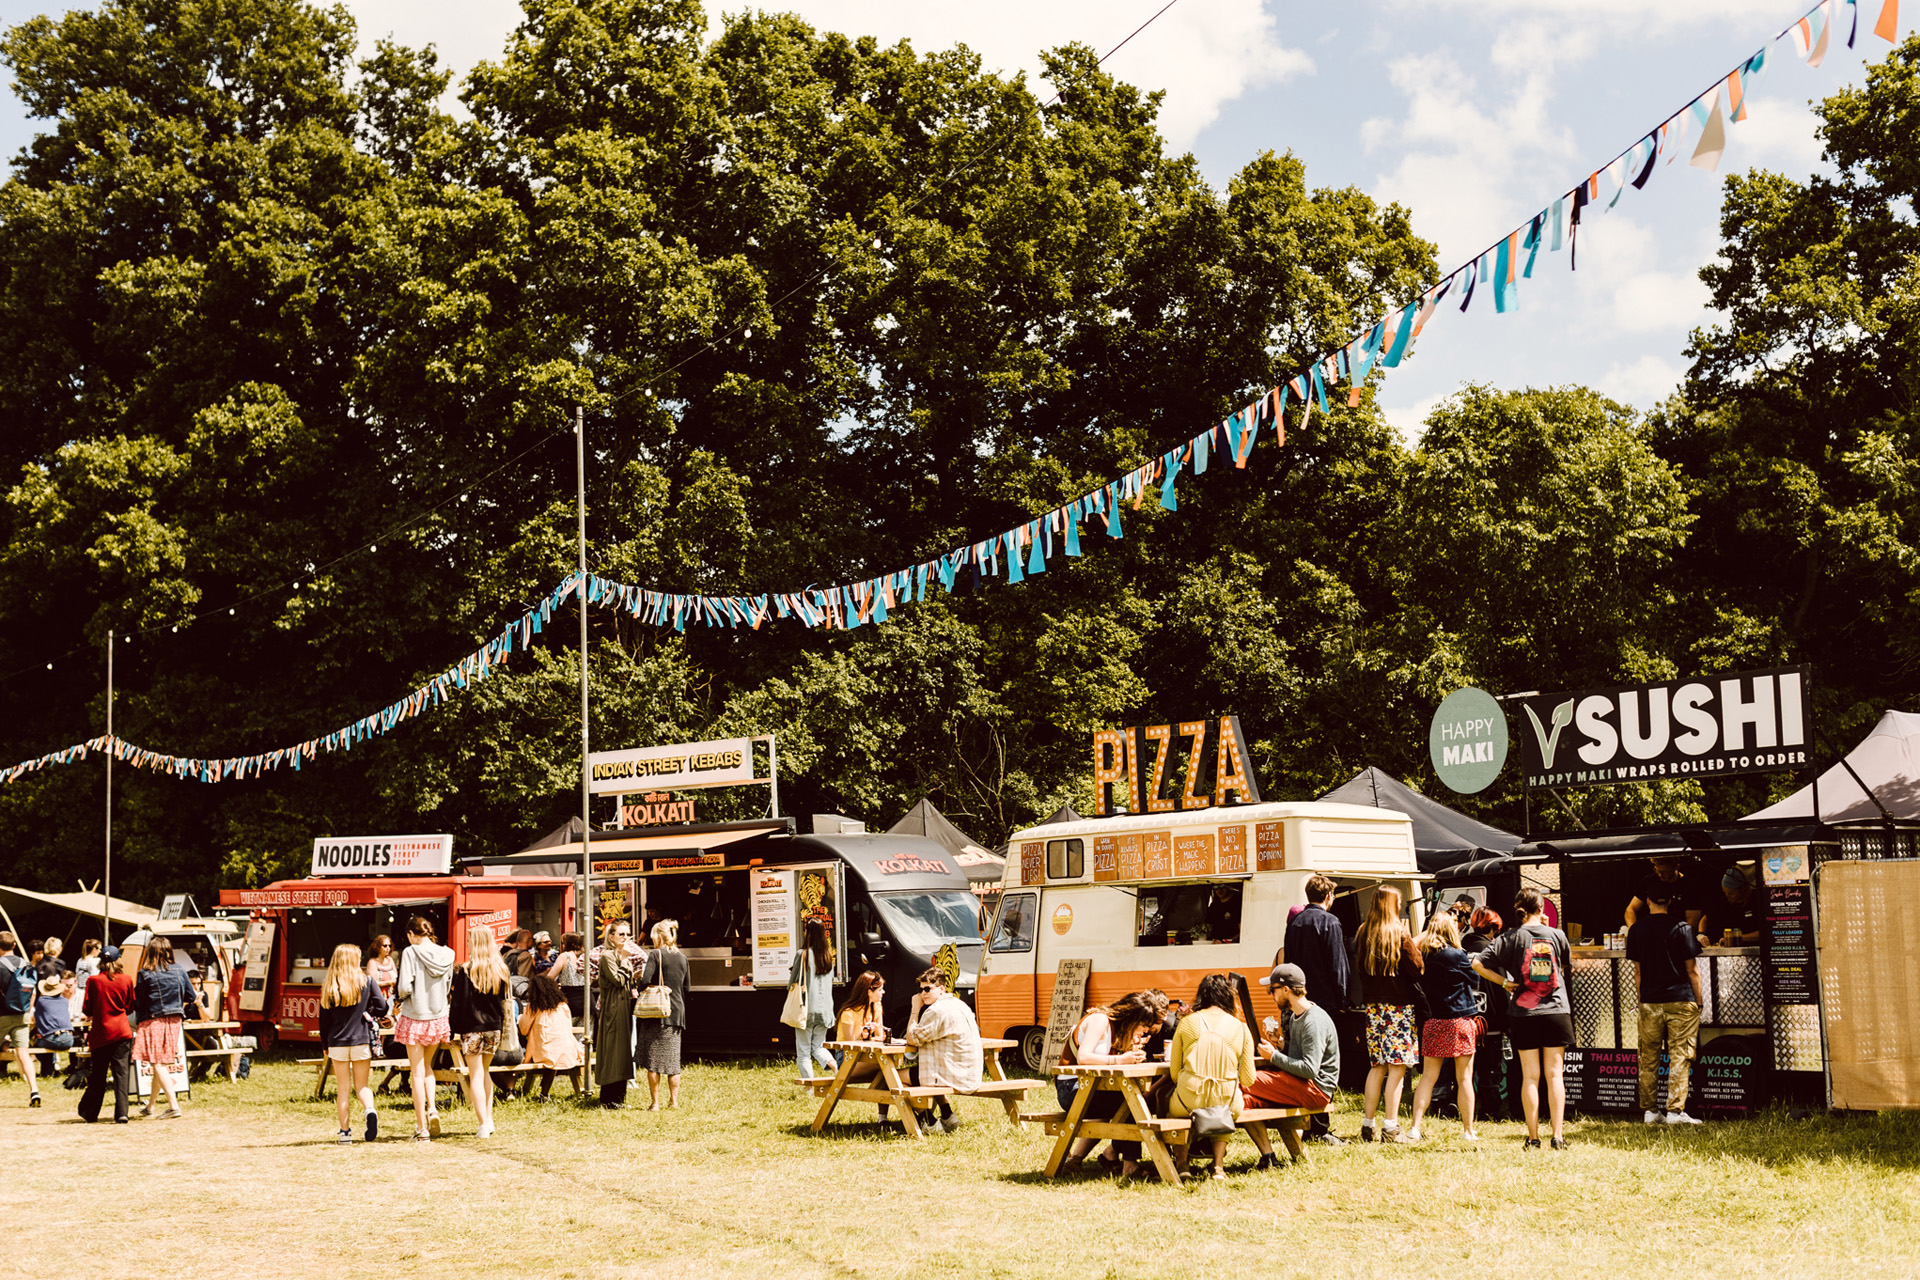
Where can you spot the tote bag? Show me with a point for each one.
(794, 1012)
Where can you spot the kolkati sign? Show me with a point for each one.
(1747, 722)
(1468, 740)
(1128, 777)
(687, 764)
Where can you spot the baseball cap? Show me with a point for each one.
(1286, 975)
(109, 953)
(1734, 878)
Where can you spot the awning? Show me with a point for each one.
(1673, 843)
(117, 910)
(1886, 761)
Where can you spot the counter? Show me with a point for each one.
(1606, 1000)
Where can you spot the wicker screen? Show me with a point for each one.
(1869, 919)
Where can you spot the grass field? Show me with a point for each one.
(250, 1183)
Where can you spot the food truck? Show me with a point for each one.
(741, 893)
(362, 887)
(1163, 899)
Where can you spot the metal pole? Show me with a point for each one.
(585, 906)
(773, 777)
(106, 882)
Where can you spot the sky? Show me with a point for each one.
(1473, 114)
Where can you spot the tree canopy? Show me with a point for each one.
(289, 355)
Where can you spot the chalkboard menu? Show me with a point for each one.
(1787, 945)
(1730, 1076)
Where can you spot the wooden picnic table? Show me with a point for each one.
(203, 1041)
(891, 1090)
(1159, 1138)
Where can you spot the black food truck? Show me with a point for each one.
(742, 892)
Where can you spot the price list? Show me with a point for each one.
(1788, 945)
(1601, 1081)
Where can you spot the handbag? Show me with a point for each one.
(655, 1001)
(1211, 1122)
(794, 1012)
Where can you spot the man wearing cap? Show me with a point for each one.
(1305, 1069)
(1740, 911)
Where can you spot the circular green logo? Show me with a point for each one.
(1468, 740)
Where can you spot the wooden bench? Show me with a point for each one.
(456, 1074)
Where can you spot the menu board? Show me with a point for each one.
(774, 926)
(1129, 856)
(1786, 941)
(1730, 1075)
(1106, 858)
(1156, 855)
(1606, 1081)
(1233, 850)
(1033, 863)
(1270, 846)
(1193, 855)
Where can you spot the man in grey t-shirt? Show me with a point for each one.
(1304, 1069)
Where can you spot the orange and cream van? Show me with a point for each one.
(1163, 899)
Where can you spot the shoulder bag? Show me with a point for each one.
(794, 1012)
(1215, 1121)
(655, 1001)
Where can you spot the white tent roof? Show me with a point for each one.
(119, 910)
(1887, 760)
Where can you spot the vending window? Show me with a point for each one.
(1066, 859)
(1014, 930)
(1185, 914)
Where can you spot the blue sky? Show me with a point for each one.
(1473, 115)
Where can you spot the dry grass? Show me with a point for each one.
(733, 1185)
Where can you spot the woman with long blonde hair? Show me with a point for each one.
(476, 1014)
(1385, 967)
(1452, 1029)
(351, 1006)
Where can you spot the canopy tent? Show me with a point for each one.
(1441, 836)
(1883, 768)
(78, 908)
(980, 866)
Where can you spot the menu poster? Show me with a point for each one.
(1130, 857)
(1729, 1076)
(1233, 850)
(774, 926)
(1106, 858)
(1157, 855)
(1193, 855)
(1033, 864)
(1270, 846)
(1605, 1081)
(1787, 945)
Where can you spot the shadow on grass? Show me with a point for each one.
(1887, 1139)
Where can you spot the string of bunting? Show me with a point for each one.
(1025, 549)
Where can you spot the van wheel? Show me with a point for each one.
(1032, 1049)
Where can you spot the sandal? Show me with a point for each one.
(422, 1136)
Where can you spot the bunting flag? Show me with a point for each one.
(1382, 344)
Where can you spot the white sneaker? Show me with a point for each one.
(484, 1131)
(1414, 1135)
(1650, 1117)
(1469, 1137)
(1681, 1117)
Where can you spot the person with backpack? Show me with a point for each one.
(1664, 951)
(109, 999)
(18, 981)
(1532, 962)
(351, 1006)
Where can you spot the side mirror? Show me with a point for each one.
(876, 947)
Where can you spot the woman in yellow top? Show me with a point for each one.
(863, 1018)
(1212, 1059)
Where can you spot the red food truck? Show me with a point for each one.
(363, 887)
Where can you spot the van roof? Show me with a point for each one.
(886, 861)
(1270, 811)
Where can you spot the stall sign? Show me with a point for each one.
(1788, 971)
(1128, 777)
(1604, 1081)
(675, 767)
(774, 926)
(1033, 863)
(1746, 722)
(1467, 741)
(611, 865)
(383, 855)
(258, 958)
(689, 860)
(323, 896)
(498, 923)
(655, 809)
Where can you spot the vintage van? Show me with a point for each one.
(1163, 899)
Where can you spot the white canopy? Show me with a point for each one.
(1887, 760)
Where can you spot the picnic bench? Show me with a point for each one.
(1163, 1140)
(197, 1047)
(891, 1090)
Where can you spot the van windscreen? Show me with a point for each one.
(923, 922)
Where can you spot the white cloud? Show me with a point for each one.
(1642, 383)
(1204, 55)
(1410, 420)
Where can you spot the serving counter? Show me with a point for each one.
(1606, 999)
